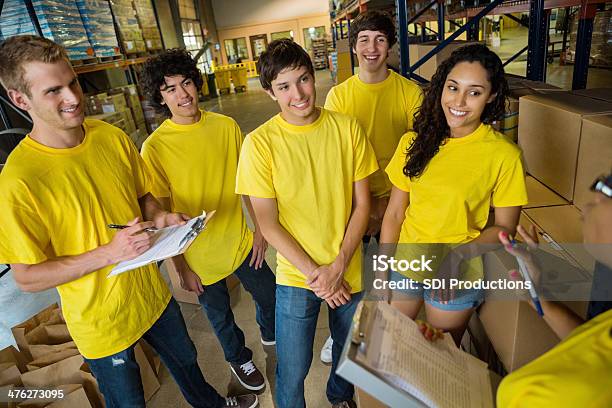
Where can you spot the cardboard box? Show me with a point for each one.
(365, 400)
(186, 296)
(550, 126)
(604, 94)
(594, 156)
(541, 196)
(560, 232)
(515, 330)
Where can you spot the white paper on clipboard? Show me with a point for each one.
(168, 242)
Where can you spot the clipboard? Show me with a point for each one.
(362, 376)
(168, 242)
(353, 365)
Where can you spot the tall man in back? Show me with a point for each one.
(384, 104)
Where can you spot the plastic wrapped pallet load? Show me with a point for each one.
(61, 22)
(15, 20)
(148, 24)
(129, 29)
(98, 22)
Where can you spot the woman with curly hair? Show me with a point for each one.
(446, 175)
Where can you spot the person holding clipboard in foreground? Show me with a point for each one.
(578, 370)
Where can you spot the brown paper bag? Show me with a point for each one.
(10, 374)
(49, 316)
(90, 384)
(67, 371)
(150, 383)
(39, 350)
(44, 403)
(11, 355)
(75, 399)
(51, 358)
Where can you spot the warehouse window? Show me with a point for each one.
(235, 49)
(282, 34)
(193, 36)
(313, 33)
(259, 43)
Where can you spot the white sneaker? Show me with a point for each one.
(268, 342)
(326, 351)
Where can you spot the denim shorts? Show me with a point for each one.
(463, 298)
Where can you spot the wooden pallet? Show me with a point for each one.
(84, 61)
(111, 58)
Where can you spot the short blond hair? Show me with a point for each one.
(16, 51)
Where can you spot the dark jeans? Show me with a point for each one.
(261, 285)
(601, 291)
(297, 311)
(119, 376)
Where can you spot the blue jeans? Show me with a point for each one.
(118, 375)
(215, 300)
(297, 311)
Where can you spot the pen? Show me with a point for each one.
(120, 226)
(525, 273)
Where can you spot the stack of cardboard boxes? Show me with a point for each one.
(120, 107)
(129, 29)
(47, 357)
(148, 24)
(566, 138)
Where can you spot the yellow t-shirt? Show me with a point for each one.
(58, 202)
(575, 373)
(384, 110)
(195, 165)
(310, 171)
(450, 201)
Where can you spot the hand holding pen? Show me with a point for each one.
(527, 268)
(132, 240)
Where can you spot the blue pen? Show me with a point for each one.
(525, 273)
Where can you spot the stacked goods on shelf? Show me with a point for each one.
(148, 24)
(129, 30)
(98, 22)
(319, 53)
(112, 108)
(601, 42)
(15, 20)
(133, 102)
(153, 118)
(48, 358)
(61, 22)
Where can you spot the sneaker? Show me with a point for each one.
(241, 401)
(345, 404)
(268, 342)
(248, 375)
(326, 351)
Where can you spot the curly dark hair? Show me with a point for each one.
(372, 20)
(430, 123)
(281, 54)
(175, 61)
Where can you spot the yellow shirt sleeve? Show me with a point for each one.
(332, 101)
(365, 162)
(395, 168)
(160, 186)
(254, 176)
(23, 232)
(140, 172)
(511, 189)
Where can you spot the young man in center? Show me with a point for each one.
(383, 102)
(306, 171)
(193, 158)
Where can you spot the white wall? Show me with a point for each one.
(230, 13)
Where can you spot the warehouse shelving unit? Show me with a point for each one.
(127, 65)
(537, 47)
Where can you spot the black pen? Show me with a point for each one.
(119, 226)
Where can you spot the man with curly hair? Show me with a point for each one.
(383, 102)
(62, 185)
(193, 158)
